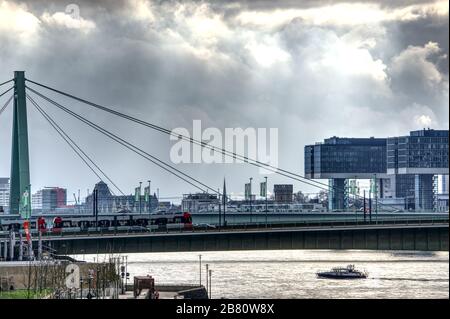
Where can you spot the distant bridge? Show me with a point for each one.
(424, 237)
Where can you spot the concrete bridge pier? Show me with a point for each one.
(336, 193)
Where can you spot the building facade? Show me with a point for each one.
(418, 159)
(284, 193)
(342, 159)
(199, 203)
(49, 199)
(444, 184)
(403, 169)
(4, 194)
(110, 203)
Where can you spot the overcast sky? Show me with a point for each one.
(312, 69)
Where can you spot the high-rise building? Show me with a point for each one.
(284, 193)
(445, 184)
(404, 167)
(420, 157)
(49, 198)
(36, 200)
(340, 159)
(108, 202)
(4, 193)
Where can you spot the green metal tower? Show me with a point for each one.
(20, 166)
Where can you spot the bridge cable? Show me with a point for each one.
(72, 144)
(12, 87)
(254, 162)
(6, 82)
(76, 115)
(107, 132)
(180, 136)
(6, 104)
(130, 146)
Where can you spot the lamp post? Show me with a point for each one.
(149, 196)
(376, 196)
(81, 287)
(127, 275)
(250, 195)
(207, 272)
(210, 273)
(122, 275)
(149, 204)
(220, 210)
(89, 295)
(140, 198)
(266, 198)
(200, 268)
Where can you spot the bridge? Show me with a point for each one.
(350, 231)
(424, 237)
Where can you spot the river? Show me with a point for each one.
(291, 273)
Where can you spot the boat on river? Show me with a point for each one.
(348, 272)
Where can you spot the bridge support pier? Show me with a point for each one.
(337, 193)
(20, 167)
(423, 192)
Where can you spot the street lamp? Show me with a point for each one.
(207, 272)
(149, 196)
(140, 198)
(200, 265)
(91, 276)
(81, 287)
(266, 198)
(210, 273)
(376, 196)
(251, 178)
(220, 210)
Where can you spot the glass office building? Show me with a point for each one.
(415, 160)
(346, 157)
(408, 164)
(422, 152)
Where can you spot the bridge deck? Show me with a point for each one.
(432, 237)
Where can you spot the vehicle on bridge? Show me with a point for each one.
(124, 221)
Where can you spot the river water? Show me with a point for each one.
(291, 273)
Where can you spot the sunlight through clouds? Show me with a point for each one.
(16, 19)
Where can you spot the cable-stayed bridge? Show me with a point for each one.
(23, 90)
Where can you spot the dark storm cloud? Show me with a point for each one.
(302, 78)
(419, 32)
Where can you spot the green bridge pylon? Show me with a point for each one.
(20, 165)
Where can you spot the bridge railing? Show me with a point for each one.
(179, 228)
(342, 222)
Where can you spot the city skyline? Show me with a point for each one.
(248, 151)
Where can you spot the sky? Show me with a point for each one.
(312, 69)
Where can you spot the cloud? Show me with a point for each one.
(17, 21)
(414, 75)
(423, 120)
(69, 21)
(311, 68)
(337, 14)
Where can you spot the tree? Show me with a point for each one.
(299, 197)
(323, 197)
